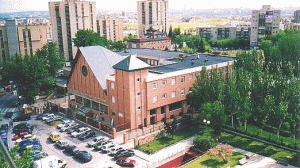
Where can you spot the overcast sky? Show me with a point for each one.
(42, 5)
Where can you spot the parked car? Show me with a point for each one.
(73, 129)
(68, 126)
(21, 118)
(107, 147)
(2, 92)
(98, 138)
(3, 128)
(54, 136)
(97, 142)
(15, 104)
(124, 161)
(20, 135)
(64, 122)
(127, 153)
(22, 127)
(114, 150)
(86, 135)
(28, 136)
(71, 149)
(83, 156)
(8, 114)
(33, 145)
(39, 117)
(100, 144)
(80, 131)
(47, 117)
(39, 156)
(61, 144)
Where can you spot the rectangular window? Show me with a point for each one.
(138, 94)
(164, 96)
(163, 110)
(191, 76)
(139, 108)
(138, 79)
(175, 106)
(182, 79)
(120, 114)
(173, 94)
(154, 99)
(112, 86)
(154, 85)
(113, 100)
(182, 92)
(173, 81)
(164, 82)
(113, 113)
(152, 111)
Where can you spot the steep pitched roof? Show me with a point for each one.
(131, 63)
(100, 61)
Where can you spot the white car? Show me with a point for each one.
(69, 125)
(64, 123)
(28, 136)
(48, 116)
(106, 148)
(101, 138)
(112, 151)
(80, 131)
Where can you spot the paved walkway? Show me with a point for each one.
(258, 161)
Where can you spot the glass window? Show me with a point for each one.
(154, 85)
(152, 111)
(182, 92)
(120, 114)
(182, 79)
(113, 113)
(163, 110)
(175, 106)
(173, 81)
(164, 82)
(173, 94)
(154, 99)
(191, 76)
(164, 96)
(113, 100)
(112, 86)
(139, 108)
(138, 94)
(138, 79)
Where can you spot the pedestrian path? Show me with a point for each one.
(259, 161)
(10, 109)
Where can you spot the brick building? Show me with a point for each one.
(120, 94)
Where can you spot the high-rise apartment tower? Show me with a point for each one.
(67, 17)
(264, 23)
(152, 13)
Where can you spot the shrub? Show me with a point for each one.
(204, 142)
(222, 151)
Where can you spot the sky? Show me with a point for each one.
(42, 5)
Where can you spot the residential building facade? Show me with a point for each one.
(297, 16)
(124, 95)
(111, 28)
(152, 13)
(67, 17)
(22, 39)
(264, 23)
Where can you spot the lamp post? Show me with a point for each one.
(206, 122)
(19, 103)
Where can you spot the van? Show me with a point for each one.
(54, 136)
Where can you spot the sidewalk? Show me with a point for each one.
(259, 161)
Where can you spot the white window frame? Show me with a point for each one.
(182, 79)
(182, 91)
(155, 99)
(173, 81)
(173, 94)
(154, 85)
(191, 76)
(138, 80)
(164, 96)
(163, 82)
(112, 85)
(113, 99)
(138, 94)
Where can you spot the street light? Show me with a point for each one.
(206, 122)
(19, 103)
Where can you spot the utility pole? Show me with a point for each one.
(7, 155)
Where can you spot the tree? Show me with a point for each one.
(222, 151)
(89, 38)
(204, 142)
(214, 112)
(53, 59)
(170, 34)
(130, 37)
(171, 127)
(24, 161)
(118, 45)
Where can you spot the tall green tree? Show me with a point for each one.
(214, 112)
(89, 38)
(52, 57)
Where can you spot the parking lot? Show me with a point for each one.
(43, 130)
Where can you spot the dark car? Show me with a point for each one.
(8, 114)
(15, 104)
(71, 149)
(39, 156)
(73, 129)
(61, 144)
(33, 143)
(22, 118)
(32, 146)
(127, 153)
(83, 156)
(124, 161)
(22, 127)
(39, 117)
(87, 134)
(4, 140)
(3, 128)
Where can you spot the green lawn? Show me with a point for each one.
(215, 162)
(257, 147)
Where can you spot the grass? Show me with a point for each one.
(257, 147)
(215, 162)
(269, 136)
(163, 142)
